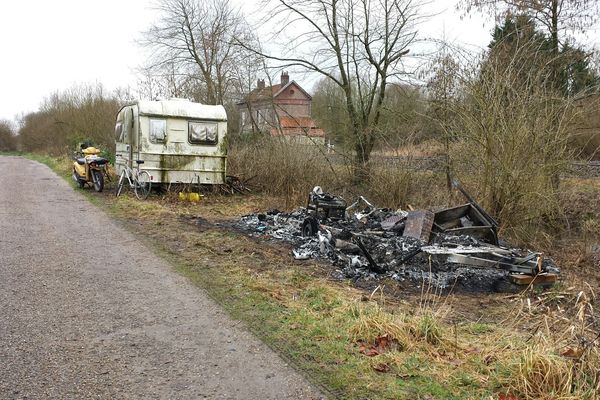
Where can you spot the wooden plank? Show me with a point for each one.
(540, 279)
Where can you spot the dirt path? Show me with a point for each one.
(86, 311)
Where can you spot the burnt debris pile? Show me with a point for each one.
(455, 248)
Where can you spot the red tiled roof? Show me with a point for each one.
(270, 92)
(298, 126)
(297, 122)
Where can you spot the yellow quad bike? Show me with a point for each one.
(90, 169)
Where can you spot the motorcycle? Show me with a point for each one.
(90, 168)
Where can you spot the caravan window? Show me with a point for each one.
(119, 132)
(124, 126)
(158, 130)
(203, 132)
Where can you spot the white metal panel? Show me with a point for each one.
(183, 109)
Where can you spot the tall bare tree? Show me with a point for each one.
(443, 90)
(195, 38)
(359, 45)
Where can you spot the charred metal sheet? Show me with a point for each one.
(418, 225)
(487, 263)
(472, 201)
(465, 250)
(465, 219)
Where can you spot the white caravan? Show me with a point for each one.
(178, 140)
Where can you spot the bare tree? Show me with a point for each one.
(250, 67)
(443, 88)
(167, 82)
(195, 38)
(357, 44)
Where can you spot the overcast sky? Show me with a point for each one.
(51, 45)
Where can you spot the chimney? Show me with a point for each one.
(285, 78)
(260, 84)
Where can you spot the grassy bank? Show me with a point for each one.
(376, 343)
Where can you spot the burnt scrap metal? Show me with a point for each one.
(451, 248)
(324, 206)
(468, 219)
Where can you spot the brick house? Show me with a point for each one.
(281, 109)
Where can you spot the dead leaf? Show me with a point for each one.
(380, 346)
(473, 350)
(381, 367)
(367, 349)
(502, 396)
(382, 342)
(572, 353)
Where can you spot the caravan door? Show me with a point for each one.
(124, 139)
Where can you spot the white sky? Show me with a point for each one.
(51, 45)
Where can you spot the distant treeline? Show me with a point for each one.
(81, 113)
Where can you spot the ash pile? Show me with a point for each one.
(452, 249)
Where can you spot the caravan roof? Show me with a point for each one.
(181, 108)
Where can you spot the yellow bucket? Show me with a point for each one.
(194, 197)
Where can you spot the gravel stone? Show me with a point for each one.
(88, 312)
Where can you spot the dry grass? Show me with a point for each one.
(424, 149)
(371, 321)
(541, 374)
(279, 166)
(561, 359)
(287, 170)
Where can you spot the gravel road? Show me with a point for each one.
(88, 312)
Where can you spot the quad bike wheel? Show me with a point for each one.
(310, 227)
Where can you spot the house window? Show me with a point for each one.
(158, 130)
(243, 118)
(203, 132)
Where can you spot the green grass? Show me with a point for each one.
(478, 328)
